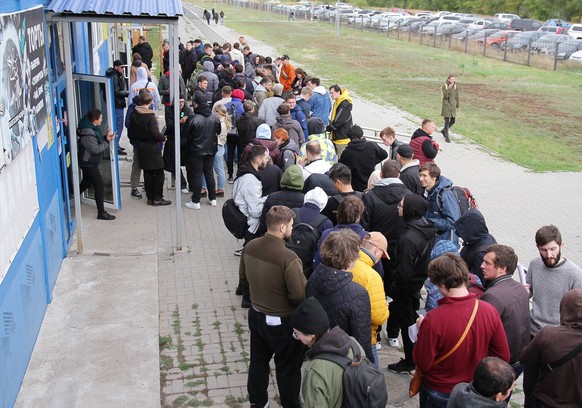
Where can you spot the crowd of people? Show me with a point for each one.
(343, 233)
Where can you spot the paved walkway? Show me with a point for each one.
(97, 346)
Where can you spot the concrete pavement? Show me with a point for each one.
(139, 308)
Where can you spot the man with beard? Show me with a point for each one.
(548, 278)
(275, 277)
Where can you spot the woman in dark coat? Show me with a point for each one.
(144, 125)
(91, 148)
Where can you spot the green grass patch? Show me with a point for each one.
(528, 115)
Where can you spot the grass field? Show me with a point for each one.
(528, 115)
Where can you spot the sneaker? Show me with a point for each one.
(185, 191)
(212, 203)
(378, 345)
(161, 201)
(237, 252)
(192, 206)
(136, 194)
(203, 193)
(219, 193)
(393, 343)
(230, 180)
(402, 367)
(105, 216)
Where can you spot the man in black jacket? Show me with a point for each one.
(120, 92)
(409, 169)
(144, 49)
(188, 60)
(202, 131)
(414, 247)
(361, 157)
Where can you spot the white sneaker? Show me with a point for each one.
(212, 203)
(185, 191)
(393, 343)
(193, 206)
(378, 345)
(237, 252)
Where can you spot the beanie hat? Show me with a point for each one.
(316, 196)
(292, 178)
(442, 247)
(263, 132)
(239, 94)
(310, 317)
(315, 125)
(405, 151)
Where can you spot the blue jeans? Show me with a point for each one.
(375, 354)
(118, 126)
(218, 168)
(432, 399)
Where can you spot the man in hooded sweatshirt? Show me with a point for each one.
(361, 157)
(142, 82)
(268, 109)
(425, 149)
(341, 118)
(414, 247)
(472, 229)
(557, 386)
(208, 67)
(320, 102)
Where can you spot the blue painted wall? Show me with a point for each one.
(10, 6)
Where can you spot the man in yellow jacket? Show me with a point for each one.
(373, 248)
(341, 118)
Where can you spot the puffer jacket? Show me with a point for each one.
(372, 282)
(347, 303)
(247, 193)
(444, 212)
(202, 133)
(425, 149)
(472, 229)
(381, 212)
(91, 144)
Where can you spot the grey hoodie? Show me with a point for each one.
(465, 395)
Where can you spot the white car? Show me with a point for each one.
(506, 18)
(575, 31)
(576, 56)
(482, 23)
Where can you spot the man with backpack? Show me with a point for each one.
(341, 177)
(443, 205)
(329, 378)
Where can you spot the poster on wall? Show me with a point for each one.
(24, 86)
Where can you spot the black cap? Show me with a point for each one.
(310, 317)
(405, 151)
(284, 57)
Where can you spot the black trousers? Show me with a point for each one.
(195, 167)
(92, 177)
(266, 342)
(153, 181)
(449, 122)
(232, 145)
(404, 308)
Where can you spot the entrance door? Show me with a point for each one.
(97, 92)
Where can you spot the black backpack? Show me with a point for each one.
(304, 240)
(464, 196)
(364, 385)
(234, 220)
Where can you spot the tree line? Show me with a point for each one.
(570, 10)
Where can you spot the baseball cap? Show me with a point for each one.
(379, 241)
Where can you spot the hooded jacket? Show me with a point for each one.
(144, 124)
(288, 154)
(473, 231)
(320, 104)
(208, 67)
(91, 143)
(465, 395)
(341, 118)
(361, 157)
(146, 52)
(268, 110)
(557, 388)
(143, 82)
(414, 247)
(247, 125)
(164, 88)
(247, 193)
(443, 212)
(425, 149)
(259, 95)
(450, 101)
(409, 176)
(347, 303)
(299, 116)
(322, 384)
(381, 212)
(292, 127)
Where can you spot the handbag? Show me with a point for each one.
(234, 220)
(416, 380)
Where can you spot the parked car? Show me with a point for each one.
(450, 17)
(506, 17)
(553, 29)
(415, 26)
(522, 40)
(565, 49)
(499, 25)
(525, 24)
(478, 24)
(575, 31)
(548, 42)
(467, 32)
(486, 32)
(404, 22)
(576, 56)
(498, 39)
(449, 29)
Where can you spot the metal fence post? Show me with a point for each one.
(529, 52)
(388, 29)
(466, 41)
(507, 38)
(434, 37)
(485, 45)
(556, 56)
(398, 31)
